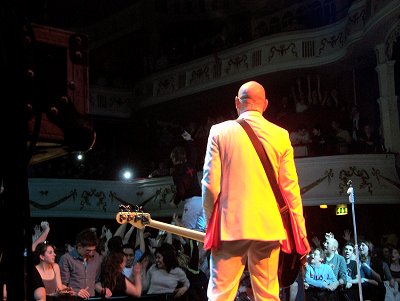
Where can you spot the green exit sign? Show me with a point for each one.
(341, 209)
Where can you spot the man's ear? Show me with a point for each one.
(265, 105)
(237, 102)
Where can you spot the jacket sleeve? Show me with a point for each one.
(289, 185)
(211, 182)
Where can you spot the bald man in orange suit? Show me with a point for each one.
(251, 228)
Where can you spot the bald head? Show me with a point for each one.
(251, 97)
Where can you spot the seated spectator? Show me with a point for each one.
(165, 276)
(300, 136)
(368, 141)
(319, 145)
(285, 108)
(341, 138)
(112, 280)
(300, 139)
(320, 281)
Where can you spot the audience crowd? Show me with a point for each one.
(157, 265)
(321, 122)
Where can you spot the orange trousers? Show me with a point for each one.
(228, 262)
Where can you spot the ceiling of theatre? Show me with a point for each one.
(122, 32)
(127, 36)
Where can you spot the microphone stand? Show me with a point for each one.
(350, 192)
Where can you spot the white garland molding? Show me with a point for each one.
(367, 24)
(322, 181)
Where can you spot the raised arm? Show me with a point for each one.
(42, 236)
(140, 240)
(134, 288)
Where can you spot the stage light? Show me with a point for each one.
(80, 157)
(323, 206)
(127, 174)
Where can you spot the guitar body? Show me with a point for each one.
(289, 268)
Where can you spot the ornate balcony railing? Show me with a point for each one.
(323, 180)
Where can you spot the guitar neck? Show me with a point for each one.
(181, 231)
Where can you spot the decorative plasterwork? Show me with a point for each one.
(291, 50)
(322, 180)
(394, 33)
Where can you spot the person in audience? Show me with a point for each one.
(299, 98)
(352, 274)
(114, 244)
(355, 123)
(129, 253)
(39, 291)
(49, 270)
(320, 281)
(368, 141)
(319, 142)
(341, 138)
(164, 276)
(285, 108)
(330, 99)
(113, 281)
(371, 280)
(348, 254)
(395, 265)
(187, 184)
(80, 268)
(188, 251)
(314, 95)
(336, 261)
(387, 253)
(146, 262)
(300, 136)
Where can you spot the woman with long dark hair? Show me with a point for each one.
(113, 282)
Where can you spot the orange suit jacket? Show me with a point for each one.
(233, 171)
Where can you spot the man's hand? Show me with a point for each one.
(83, 293)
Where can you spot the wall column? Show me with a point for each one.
(387, 101)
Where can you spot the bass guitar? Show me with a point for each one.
(139, 219)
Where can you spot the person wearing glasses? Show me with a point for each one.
(80, 268)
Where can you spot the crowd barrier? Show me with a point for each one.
(151, 297)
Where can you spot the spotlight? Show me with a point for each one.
(79, 157)
(127, 174)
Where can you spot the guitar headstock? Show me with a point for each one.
(135, 217)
